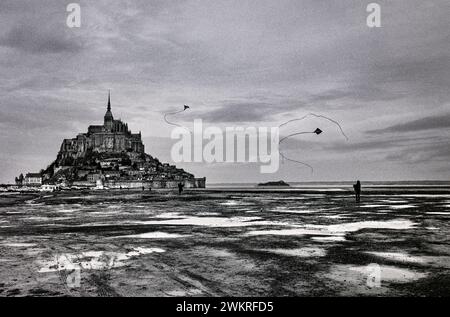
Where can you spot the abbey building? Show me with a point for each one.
(112, 136)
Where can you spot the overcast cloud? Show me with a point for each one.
(246, 63)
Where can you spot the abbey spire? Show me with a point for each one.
(109, 100)
(108, 119)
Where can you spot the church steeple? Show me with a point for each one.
(109, 100)
(108, 119)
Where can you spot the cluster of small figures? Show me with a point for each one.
(180, 188)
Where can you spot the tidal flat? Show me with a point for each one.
(225, 242)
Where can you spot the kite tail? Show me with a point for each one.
(298, 162)
(291, 160)
(172, 113)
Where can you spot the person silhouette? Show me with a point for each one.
(357, 188)
(180, 188)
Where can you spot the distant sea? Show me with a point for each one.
(344, 185)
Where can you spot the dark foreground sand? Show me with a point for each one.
(225, 243)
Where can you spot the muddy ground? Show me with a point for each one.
(225, 243)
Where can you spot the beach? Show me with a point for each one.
(237, 241)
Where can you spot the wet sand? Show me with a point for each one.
(225, 243)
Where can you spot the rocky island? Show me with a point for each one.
(274, 184)
(108, 156)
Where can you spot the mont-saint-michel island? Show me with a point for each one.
(107, 156)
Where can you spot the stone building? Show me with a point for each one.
(112, 136)
(33, 179)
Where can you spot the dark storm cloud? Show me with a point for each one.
(427, 123)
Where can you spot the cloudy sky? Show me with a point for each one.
(236, 63)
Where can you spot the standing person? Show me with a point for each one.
(180, 188)
(357, 188)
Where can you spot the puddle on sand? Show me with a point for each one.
(211, 222)
(292, 232)
(103, 213)
(207, 213)
(361, 275)
(393, 273)
(402, 206)
(63, 211)
(338, 229)
(355, 226)
(300, 252)
(435, 261)
(329, 239)
(393, 201)
(93, 260)
(333, 217)
(19, 245)
(170, 215)
(399, 257)
(293, 211)
(221, 253)
(189, 292)
(155, 235)
(229, 203)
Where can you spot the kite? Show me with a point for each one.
(317, 132)
(185, 107)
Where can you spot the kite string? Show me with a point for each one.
(295, 161)
(172, 123)
(294, 134)
(172, 113)
(284, 157)
(299, 133)
(317, 116)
